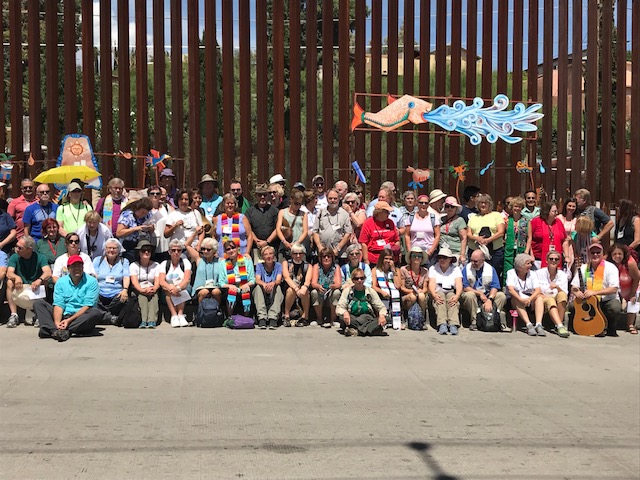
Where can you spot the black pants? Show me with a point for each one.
(82, 325)
(366, 324)
(111, 307)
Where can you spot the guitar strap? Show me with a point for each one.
(595, 280)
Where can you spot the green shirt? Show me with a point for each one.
(72, 216)
(51, 251)
(29, 269)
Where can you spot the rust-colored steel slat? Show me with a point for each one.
(424, 88)
(295, 98)
(106, 91)
(515, 184)
(376, 86)
(3, 138)
(244, 86)
(159, 83)
(360, 73)
(51, 81)
(35, 100)
(392, 85)
(228, 144)
(487, 80)
(262, 144)
(470, 88)
(278, 88)
(177, 109)
(408, 83)
(634, 181)
(591, 100)
(344, 54)
(621, 189)
(15, 88)
(193, 62)
(441, 75)
(576, 98)
(124, 90)
(88, 77)
(547, 96)
(311, 96)
(327, 87)
(606, 65)
(142, 89)
(532, 80)
(456, 78)
(69, 53)
(501, 179)
(562, 177)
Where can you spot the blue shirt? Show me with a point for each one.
(495, 281)
(110, 278)
(35, 214)
(72, 298)
(4, 259)
(209, 206)
(269, 277)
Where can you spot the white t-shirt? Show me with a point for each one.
(146, 275)
(544, 280)
(60, 268)
(525, 287)
(191, 220)
(445, 280)
(611, 279)
(94, 246)
(175, 275)
(159, 219)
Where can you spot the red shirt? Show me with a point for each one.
(16, 210)
(543, 235)
(377, 236)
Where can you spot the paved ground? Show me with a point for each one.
(308, 403)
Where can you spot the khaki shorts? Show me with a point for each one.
(550, 302)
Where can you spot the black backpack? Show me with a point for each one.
(489, 321)
(209, 314)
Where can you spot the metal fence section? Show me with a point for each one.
(249, 88)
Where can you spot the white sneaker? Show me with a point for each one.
(183, 320)
(336, 324)
(13, 320)
(29, 317)
(175, 321)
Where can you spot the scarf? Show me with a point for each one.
(597, 277)
(230, 232)
(238, 280)
(385, 282)
(107, 209)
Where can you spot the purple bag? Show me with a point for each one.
(241, 322)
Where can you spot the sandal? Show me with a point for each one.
(286, 321)
(632, 330)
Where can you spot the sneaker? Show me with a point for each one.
(114, 320)
(183, 320)
(142, 325)
(453, 329)
(336, 325)
(13, 320)
(313, 324)
(326, 325)
(175, 321)
(301, 323)
(36, 322)
(273, 324)
(540, 331)
(442, 329)
(531, 330)
(151, 324)
(505, 329)
(562, 331)
(287, 322)
(262, 324)
(29, 317)
(473, 327)
(350, 332)
(63, 335)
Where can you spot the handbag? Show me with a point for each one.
(239, 322)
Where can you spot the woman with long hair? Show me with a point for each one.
(568, 215)
(184, 221)
(422, 229)
(627, 231)
(581, 238)
(620, 256)
(385, 277)
(325, 284)
(292, 226)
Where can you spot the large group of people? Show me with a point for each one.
(318, 256)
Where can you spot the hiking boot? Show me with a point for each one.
(262, 324)
(562, 331)
(531, 330)
(273, 324)
(540, 331)
(13, 320)
(63, 335)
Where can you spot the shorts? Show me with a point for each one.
(550, 302)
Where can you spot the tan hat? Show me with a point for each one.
(446, 252)
(436, 195)
(74, 186)
(262, 188)
(382, 205)
(207, 178)
(421, 251)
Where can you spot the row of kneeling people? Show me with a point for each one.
(77, 294)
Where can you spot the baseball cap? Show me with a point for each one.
(74, 259)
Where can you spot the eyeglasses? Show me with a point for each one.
(176, 250)
(297, 253)
(155, 194)
(145, 250)
(326, 255)
(273, 193)
(44, 192)
(349, 201)
(229, 248)
(357, 279)
(355, 254)
(597, 252)
(73, 241)
(204, 249)
(553, 259)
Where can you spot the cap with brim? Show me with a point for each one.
(277, 178)
(419, 250)
(317, 178)
(436, 195)
(382, 205)
(596, 246)
(207, 178)
(299, 186)
(144, 243)
(74, 186)
(74, 259)
(446, 252)
(453, 202)
(167, 172)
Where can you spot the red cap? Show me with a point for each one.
(74, 259)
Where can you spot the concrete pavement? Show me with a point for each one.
(305, 403)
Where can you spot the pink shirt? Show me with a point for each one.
(16, 210)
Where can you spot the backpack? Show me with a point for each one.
(209, 314)
(238, 322)
(168, 265)
(489, 321)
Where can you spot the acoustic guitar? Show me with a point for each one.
(588, 319)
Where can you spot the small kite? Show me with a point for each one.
(419, 176)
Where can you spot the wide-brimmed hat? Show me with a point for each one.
(453, 201)
(382, 205)
(436, 195)
(207, 178)
(144, 243)
(421, 251)
(277, 178)
(167, 172)
(446, 252)
(261, 188)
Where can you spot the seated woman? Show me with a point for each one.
(112, 271)
(144, 275)
(325, 282)
(620, 256)
(445, 287)
(360, 309)
(175, 279)
(134, 225)
(267, 295)
(51, 245)
(206, 270)
(384, 275)
(525, 293)
(297, 276)
(72, 243)
(554, 286)
(236, 277)
(7, 232)
(354, 260)
(413, 283)
(93, 234)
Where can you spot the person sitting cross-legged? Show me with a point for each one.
(481, 289)
(74, 311)
(360, 309)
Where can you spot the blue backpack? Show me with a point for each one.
(209, 314)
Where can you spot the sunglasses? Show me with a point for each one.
(204, 249)
(596, 252)
(262, 195)
(27, 188)
(327, 256)
(44, 192)
(228, 249)
(355, 254)
(273, 193)
(73, 241)
(236, 190)
(349, 201)
(554, 260)
(297, 253)
(319, 184)
(416, 255)
(176, 250)
(449, 206)
(358, 279)
(423, 203)
(155, 194)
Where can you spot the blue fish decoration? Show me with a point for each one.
(489, 165)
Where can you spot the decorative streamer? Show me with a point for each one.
(485, 169)
(459, 173)
(359, 173)
(539, 162)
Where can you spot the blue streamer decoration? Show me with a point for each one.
(489, 165)
(359, 171)
(539, 162)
